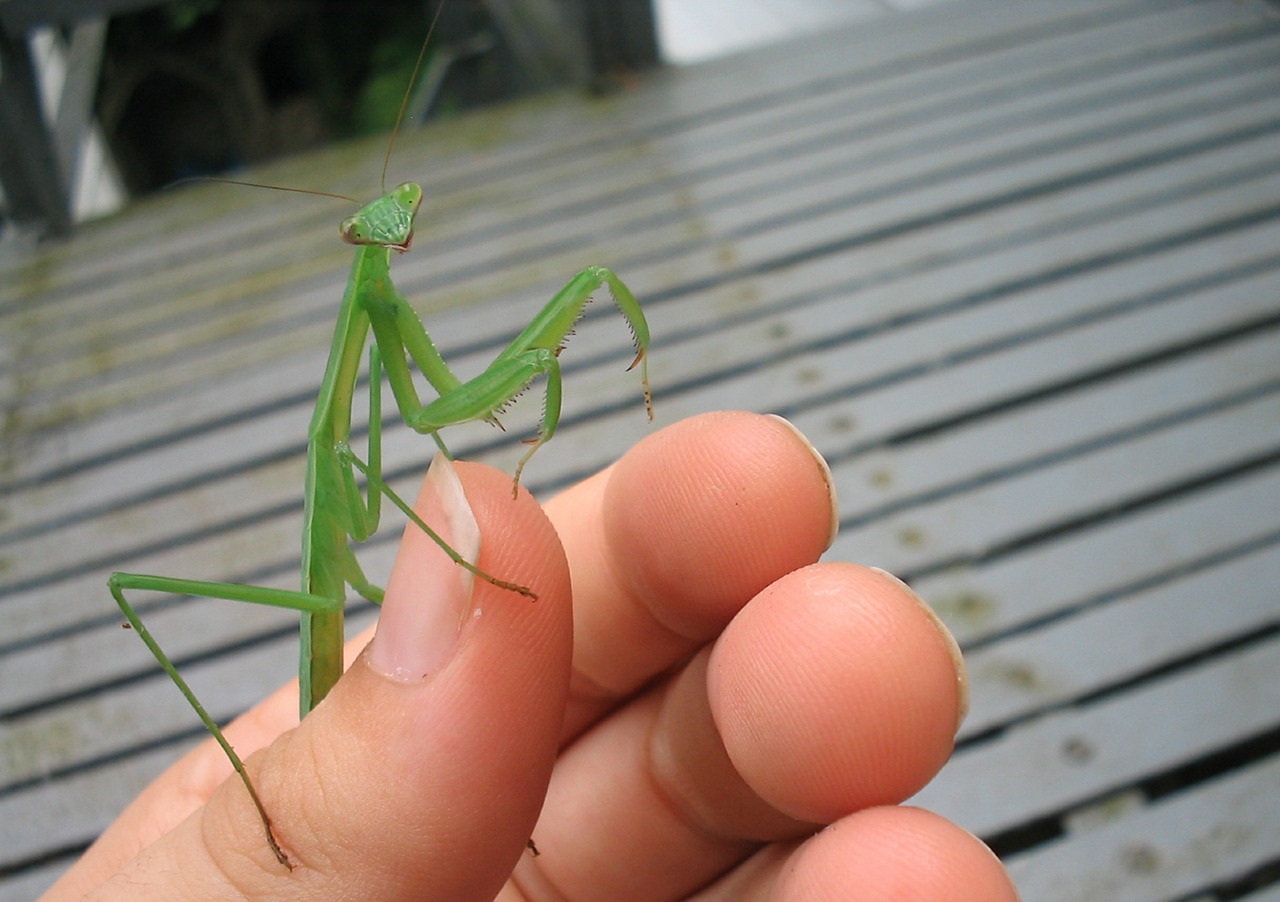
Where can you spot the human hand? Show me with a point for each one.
(712, 716)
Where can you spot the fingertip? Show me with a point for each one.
(710, 510)
(834, 692)
(519, 543)
(824, 473)
(949, 642)
(895, 853)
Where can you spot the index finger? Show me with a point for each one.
(666, 545)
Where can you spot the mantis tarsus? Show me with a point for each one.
(335, 512)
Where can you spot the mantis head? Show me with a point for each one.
(387, 221)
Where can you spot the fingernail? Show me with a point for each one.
(953, 648)
(428, 596)
(833, 502)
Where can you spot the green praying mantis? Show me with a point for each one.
(336, 513)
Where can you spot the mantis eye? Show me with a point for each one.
(351, 231)
(409, 196)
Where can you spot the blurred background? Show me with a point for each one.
(173, 90)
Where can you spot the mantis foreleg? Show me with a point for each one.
(532, 353)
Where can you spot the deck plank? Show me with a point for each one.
(1170, 850)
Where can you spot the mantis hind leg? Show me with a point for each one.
(120, 582)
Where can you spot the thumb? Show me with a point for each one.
(423, 772)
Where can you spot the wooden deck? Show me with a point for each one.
(1014, 266)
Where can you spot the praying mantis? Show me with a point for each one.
(335, 512)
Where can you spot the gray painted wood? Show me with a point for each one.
(1014, 267)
